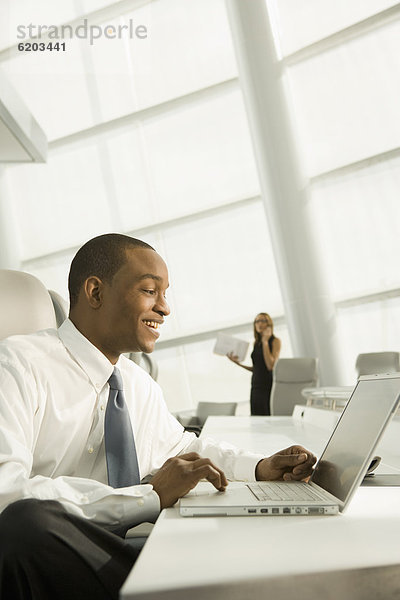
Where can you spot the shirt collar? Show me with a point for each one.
(95, 364)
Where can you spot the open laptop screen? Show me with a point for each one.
(348, 450)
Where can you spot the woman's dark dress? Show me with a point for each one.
(261, 381)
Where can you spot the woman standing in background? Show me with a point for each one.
(265, 353)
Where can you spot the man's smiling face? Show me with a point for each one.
(133, 304)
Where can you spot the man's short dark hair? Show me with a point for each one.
(102, 257)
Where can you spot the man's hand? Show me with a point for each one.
(292, 464)
(182, 473)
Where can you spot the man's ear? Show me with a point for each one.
(93, 290)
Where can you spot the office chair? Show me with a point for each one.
(289, 377)
(26, 307)
(372, 363)
(204, 410)
(60, 307)
(25, 304)
(146, 362)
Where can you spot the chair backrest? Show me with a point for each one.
(289, 377)
(25, 304)
(60, 307)
(146, 362)
(207, 409)
(372, 363)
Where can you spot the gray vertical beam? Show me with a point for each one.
(309, 309)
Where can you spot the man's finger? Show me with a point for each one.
(306, 466)
(197, 461)
(206, 461)
(212, 475)
(294, 450)
(290, 460)
(189, 456)
(298, 477)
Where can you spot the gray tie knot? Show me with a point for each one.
(115, 381)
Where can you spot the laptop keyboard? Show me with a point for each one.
(276, 491)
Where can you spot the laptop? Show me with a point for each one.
(336, 476)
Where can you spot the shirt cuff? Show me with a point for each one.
(245, 467)
(142, 509)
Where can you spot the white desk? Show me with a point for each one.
(311, 428)
(355, 555)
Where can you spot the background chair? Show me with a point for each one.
(372, 363)
(290, 376)
(146, 362)
(60, 307)
(369, 363)
(196, 422)
(25, 304)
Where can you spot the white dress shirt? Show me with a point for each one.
(53, 396)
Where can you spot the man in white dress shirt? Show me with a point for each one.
(59, 515)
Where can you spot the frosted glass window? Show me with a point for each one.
(372, 327)
(52, 271)
(178, 56)
(346, 100)
(109, 58)
(43, 12)
(132, 180)
(302, 22)
(62, 203)
(357, 221)
(188, 47)
(215, 378)
(54, 86)
(172, 378)
(281, 331)
(193, 373)
(201, 156)
(94, 5)
(14, 13)
(222, 270)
